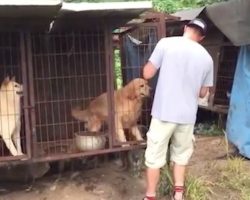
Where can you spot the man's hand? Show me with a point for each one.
(149, 70)
(204, 91)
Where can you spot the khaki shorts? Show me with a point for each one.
(158, 136)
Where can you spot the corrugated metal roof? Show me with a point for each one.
(106, 10)
(232, 19)
(29, 8)
(26, 13)
(189, 14)
(49, 8)
(29, 2)
(81, 7)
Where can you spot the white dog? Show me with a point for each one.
(10, 115)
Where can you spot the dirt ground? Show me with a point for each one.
(108, 182)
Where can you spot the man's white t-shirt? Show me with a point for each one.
(185, 66)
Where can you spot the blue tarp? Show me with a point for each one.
(238, 123)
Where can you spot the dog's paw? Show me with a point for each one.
(143, 142)
(24, 159)
(20, 154)
(125, 145)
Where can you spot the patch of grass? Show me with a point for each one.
(196, 187)
(245, 194)
(235, 177)
(235, 165)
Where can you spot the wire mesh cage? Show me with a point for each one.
(75, 100)
(225, 75)
(69, 71)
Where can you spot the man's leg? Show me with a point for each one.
(179, 174)
(181, 151)
(179, 179)
(158, 138)
(153, 176)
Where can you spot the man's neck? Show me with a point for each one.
(185, 35)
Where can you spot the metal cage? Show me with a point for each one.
(63, 70)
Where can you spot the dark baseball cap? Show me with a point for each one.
(200, 24)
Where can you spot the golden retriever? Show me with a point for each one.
(10, 115)
(128, 105)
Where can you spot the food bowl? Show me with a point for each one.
(88, 141)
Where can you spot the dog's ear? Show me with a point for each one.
(81, 115)
(6, 80)
(13, 79)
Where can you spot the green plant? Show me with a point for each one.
(235, 165)
(208, 129)
(234, 177)
(118, 70)
(169, 6)
(197, 188)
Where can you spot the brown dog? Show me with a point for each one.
(128, 105)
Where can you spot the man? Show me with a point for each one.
(186, 73)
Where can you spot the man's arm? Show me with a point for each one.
(207, 85)
(149, 70)
(154, 62)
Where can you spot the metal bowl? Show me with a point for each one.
(88, 141)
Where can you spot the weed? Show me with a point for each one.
(208, 129)
(196, 187)
(235, 178)
(235, 165)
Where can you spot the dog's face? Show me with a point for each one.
(138, 88)
(93, 124)
(11, 87)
